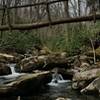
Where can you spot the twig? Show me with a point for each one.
(93, 51)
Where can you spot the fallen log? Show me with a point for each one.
(46, 24)
(25, 84)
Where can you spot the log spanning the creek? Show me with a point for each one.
(25, 84)
(46, 24)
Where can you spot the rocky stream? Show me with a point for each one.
(49, 77)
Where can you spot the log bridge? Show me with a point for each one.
(36, 25)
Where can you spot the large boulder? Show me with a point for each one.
(79, 85)
(62, 98)
(45, 51)
(4, 69)
(27, 64)
(25, 84)
(6, 58)
(93, 87)
(86, 75)
(48, 62)
(43, 62)
(83, 79)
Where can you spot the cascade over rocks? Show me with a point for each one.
(79, 68)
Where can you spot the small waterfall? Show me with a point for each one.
(13, 70)
(57, 79)
(12, 67)
(13, 74)
(10, 77)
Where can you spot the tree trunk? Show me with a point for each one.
(79, 7)
(66, 8)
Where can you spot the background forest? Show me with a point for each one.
(72, 37)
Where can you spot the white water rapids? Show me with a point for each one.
(57, 79)
(10, 77)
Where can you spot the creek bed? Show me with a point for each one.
(62, 90)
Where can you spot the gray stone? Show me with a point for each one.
(87, 75)
(92, 87)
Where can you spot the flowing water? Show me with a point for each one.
(14, 73)
(57, 88)
(57, 79)
(62, 90)
(10, 77)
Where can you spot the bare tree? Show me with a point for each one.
(66, 8)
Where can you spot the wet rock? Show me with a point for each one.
(42, 62)
(27, 64)
(4, 69)
(42, 58)
(25, 84)
(63, 55)
(82, 79)
(18, 57)
(6, 58)
(79, 85)
(84, 65)
(51, 61)
(93, 87)
(81, 63)
(28, 67)
(61, 98)
(86, 75)
(77, 62)
(45, 51)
